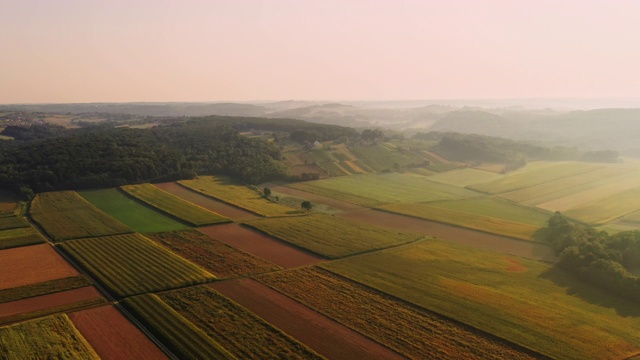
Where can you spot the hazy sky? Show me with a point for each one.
(233, 50)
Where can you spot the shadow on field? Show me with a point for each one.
(591, 293)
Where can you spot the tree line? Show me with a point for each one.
(595, 256)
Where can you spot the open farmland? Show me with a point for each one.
(66, 215)
(13, 222)
(378, 189)
(261, 245)
(384, 158)
(609, 208)
(173, 205)
(138, 216)
(237, 195)
(526, 302)
(182, 337)
(206, 202)
(465, 177)
(42, 305)
(54, 336)
(409, 330)
(325, 336)
(239, 331)
(218, 258)
(132, 264)
(9, 203)
(330, 236)
(488, 214)
(112, 336)
(43, 288)
(535, 175)
(20, 237)
(31, 265)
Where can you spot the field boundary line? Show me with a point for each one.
(297, 247)
(157, 209)
(222, 201)
(435, 313)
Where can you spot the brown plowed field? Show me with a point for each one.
(43, 302)
(113, 336)
(314, 198)
(208, 203)
(31, 265)
(261, 245)
(455, 234)
(320, 333)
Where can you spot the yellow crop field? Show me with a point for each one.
(608, 208)
(465, 177)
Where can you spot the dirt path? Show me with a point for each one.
(112, 336)
(43, 302)
(206, 202)
(454, 234)
(261, 245)
(320, 333)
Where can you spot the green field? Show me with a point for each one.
(488, 214)
(409, 330)
(20, 237)
(52, 337)
(132, 264)
(9, 203)
(465, 177)
(379, 189)
(182, 337)
(330, 236)
(238, 330)
(13, 222)
(43, 288)
(524, 301)
(173, 205)
(535, 175)
(385, 158)
(237, 195)
(66, 215)
(140, 217)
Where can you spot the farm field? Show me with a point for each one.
(132, 264)
(173, 205)
(206, 202)
(243, 334)
(488, 214)
(54, 335)
(31, 265)
(13, 222)
(182, 337)
(20, 237)
(218, 258)
(135, 215)
(43, 288)
(409, 330)
(261, 245)
(48, 304)
(384, 158)
(66, 215)
(535, 175)
(9, 203)
(325, 336)
(330, 236)
(112, 336)
(609, 208)
(379, 189)
(237, 195)
(465, 177)
(526, 302)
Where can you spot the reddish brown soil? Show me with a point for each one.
(454, 234)
(206, 202)
(261, 245)
(113, 336)
(43, 302)
(314, 198)
(320, 333)
(31, 265)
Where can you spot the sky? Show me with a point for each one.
(67, 51)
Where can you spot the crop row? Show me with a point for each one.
(173, 205)
(132, 264)
(331, 236)
(66, 215)
(182, 338)
(20, 237)
(409, 330)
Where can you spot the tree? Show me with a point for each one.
(266, 192)
(306, 205)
